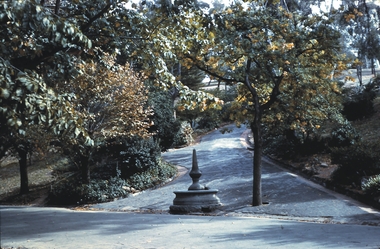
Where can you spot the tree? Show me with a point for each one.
(111, 101)
(165, 126)
(276, 58)
(32, 37)
(360, 20)
(42, 48)
(191, 77)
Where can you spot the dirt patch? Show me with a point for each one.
(40, 176)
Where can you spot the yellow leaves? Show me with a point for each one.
(352, 16)
(349, 17)
(357, 62)
(335, 88)
(229, 11)
(349, 78)
(358, 13)
(289, 46)
(117, 24)
(284, 47)
(213, 62)
(341, 66)
(211, 35)
(227, 24)
(272, 47)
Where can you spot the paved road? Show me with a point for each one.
(47, 228)
(300, 214)
(226, 165)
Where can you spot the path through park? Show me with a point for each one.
(300, 214)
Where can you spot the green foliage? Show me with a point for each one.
(152, 177)
(136, 155)
(184, 135)
(71, 190)
(165, 126)
(344, 135)
(358, 103)
(356, 161)
(372, 186)
(290, 145)
(192, 77)
(210, 118)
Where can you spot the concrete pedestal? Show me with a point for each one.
(195, 201)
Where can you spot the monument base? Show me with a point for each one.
(195, 201)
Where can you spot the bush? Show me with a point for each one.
(137, 155)
(135, 163)
(372, 186)
(71, 190)
(209, 120)
(184, 135)
(153, 177)
(165, 125)
(356, 161)
(359, 104)
(344, 135)
(286, 148)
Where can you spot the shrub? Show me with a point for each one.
(165, 126)
(137, 155)
(71, 190)
(184, 135)
(356, 161)
(291, 147)
(344, 135)
(359, 104)
(136, 163)
(153, 177)
(372, 186)
(209, 120)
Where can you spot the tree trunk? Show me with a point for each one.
(257, 155)
(24, 185)
(359, 74)
(57, 6)
(258, 145)
(85, 169)
(257, 194)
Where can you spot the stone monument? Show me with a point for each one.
(197, 198)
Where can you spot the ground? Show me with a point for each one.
(40, 175)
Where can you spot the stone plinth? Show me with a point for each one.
(195, 201)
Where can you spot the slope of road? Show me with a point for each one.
(299, 213)
(226, 165)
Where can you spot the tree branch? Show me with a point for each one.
(275, 92)
(86, 26)
(206, 70)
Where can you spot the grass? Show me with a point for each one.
(369, 128)
(40, 176)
